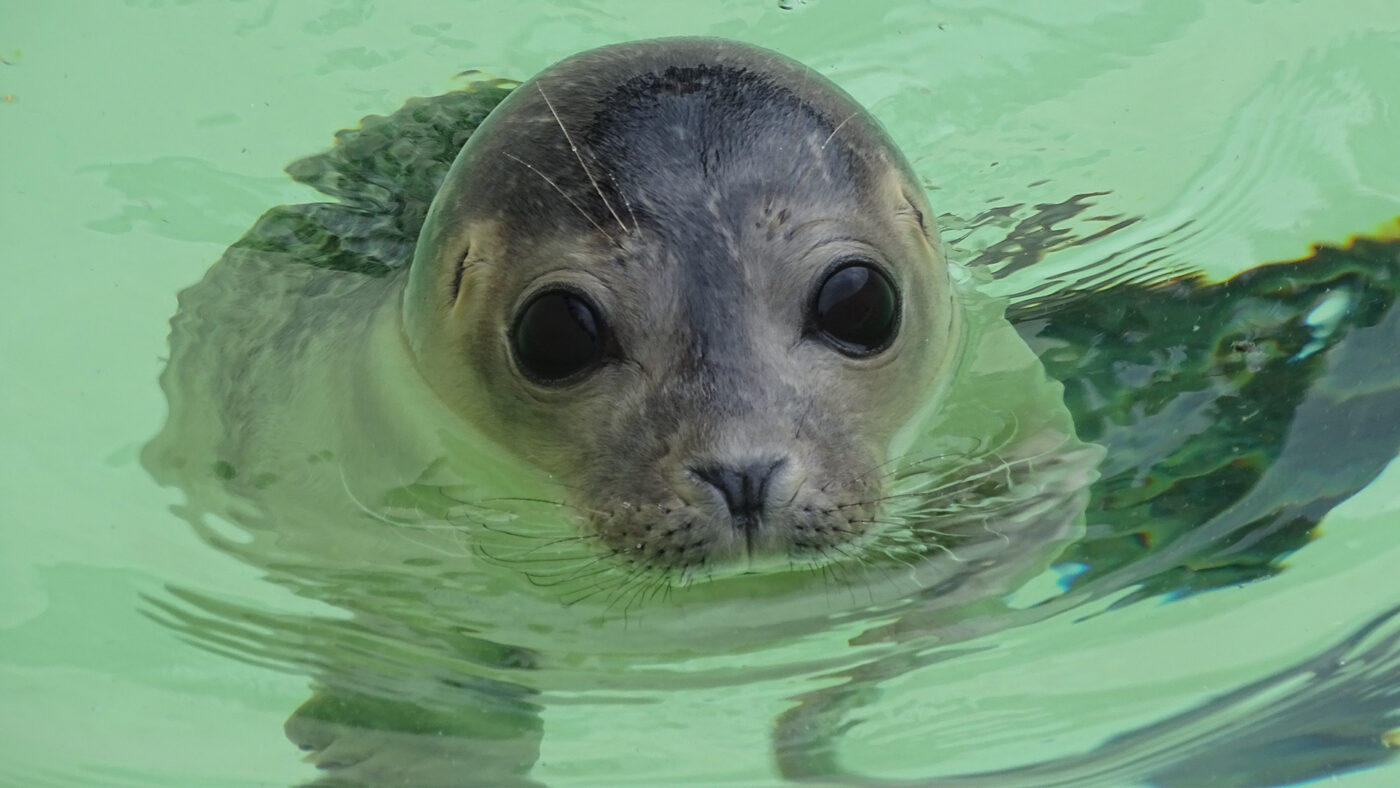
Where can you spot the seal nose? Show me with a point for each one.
(744, 488)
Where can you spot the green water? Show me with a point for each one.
(144, 138)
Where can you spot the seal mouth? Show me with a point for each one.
(750, 525)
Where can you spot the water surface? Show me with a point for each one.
(146, 137)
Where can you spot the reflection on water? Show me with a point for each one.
(1234, 415)
(1324, 715)
(189, 200)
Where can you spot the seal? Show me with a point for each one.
(690, 284)
(677, 312)
(687, 297)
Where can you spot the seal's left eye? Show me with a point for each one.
(557, 336)
(856, 309)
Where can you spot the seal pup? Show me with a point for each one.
(687, 297)
(688, 285)
(308, 410)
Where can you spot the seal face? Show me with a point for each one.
(696, 283)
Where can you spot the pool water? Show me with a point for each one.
(146, 137)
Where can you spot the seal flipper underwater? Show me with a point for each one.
(386, 175)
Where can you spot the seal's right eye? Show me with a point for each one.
(557, 337)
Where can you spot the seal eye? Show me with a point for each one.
(557, 335)
(856, 309)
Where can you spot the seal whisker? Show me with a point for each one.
(795, 492)
(662, 585)
(433, 548)
(585, 562)
(955, 483)
(627, 585)
(399, 526)
(885, 464)
(526, 558)
(586, 569)
(949, 551)
(824, 571)
(553, 539)
(636, 226)
(576, 586)
(588, 593)
(546, 502)
(345, 485)
(903, 559)
(640, 594)
(838, 573)
(845, 552)
(569, 139)
(860, 558)
(635, 595)
(423, 523)
(832, 135)
(562, 193)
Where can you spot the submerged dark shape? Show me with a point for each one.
(1207, 397)
(1210, 398)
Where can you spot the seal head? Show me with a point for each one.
(697, 284)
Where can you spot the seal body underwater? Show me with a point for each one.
(691, 281)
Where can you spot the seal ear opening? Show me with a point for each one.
(911, 207)
(473, 257)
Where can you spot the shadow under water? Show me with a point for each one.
(1234, 415)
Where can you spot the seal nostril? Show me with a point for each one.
(744, 488)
